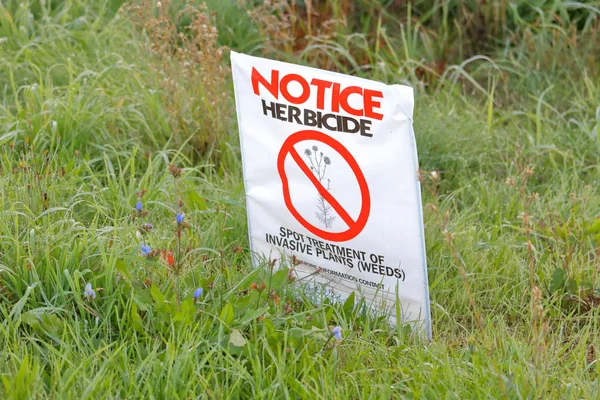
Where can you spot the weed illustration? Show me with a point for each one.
(318, 165)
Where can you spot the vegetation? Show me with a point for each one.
(106, 105)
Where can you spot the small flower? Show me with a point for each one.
(197, 293)
(337, 333)
(307, 152)
(146, 250)
(167, 257)
(139, 206)
(327, 160)
(89, 292)
(179, 218)
(315, 148)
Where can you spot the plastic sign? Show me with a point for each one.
(330, 168)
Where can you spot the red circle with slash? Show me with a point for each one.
(354, 226)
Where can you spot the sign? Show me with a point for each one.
(330, 169)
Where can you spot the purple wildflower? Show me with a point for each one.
(146, 249)
(197, 293)
(139, 206)
(179, 218)
(89, 292)
(337, 333)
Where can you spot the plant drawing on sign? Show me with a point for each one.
(318, 165)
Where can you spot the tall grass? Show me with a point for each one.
(100, 112)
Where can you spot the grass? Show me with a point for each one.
(509, 142)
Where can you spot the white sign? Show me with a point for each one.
(330, 167)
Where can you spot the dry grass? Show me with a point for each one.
(188, 63)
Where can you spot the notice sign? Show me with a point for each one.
(330, 168)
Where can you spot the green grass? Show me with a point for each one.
(512, 214)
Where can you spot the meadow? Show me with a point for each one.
(121, 196)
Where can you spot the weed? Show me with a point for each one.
(187, 61)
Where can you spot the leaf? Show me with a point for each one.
(279, 278)
(142, 298)
(251, 315)
(559, 278)
(16, 311)
(236, 338)
(122, 268)
(269, 327)
(195, 201)
(32, 240)
(329, 313)
(7, 137)
(158, 297)
(42, 322)
(52, 323)
(136, 319)
(594, 226)
(186, 314)
(31, 318)
(319, 333)
(349, 304)
(572, 286)
(227, 314)
(159, 300)
(298, 333)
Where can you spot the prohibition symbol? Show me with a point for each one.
(354, 227)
